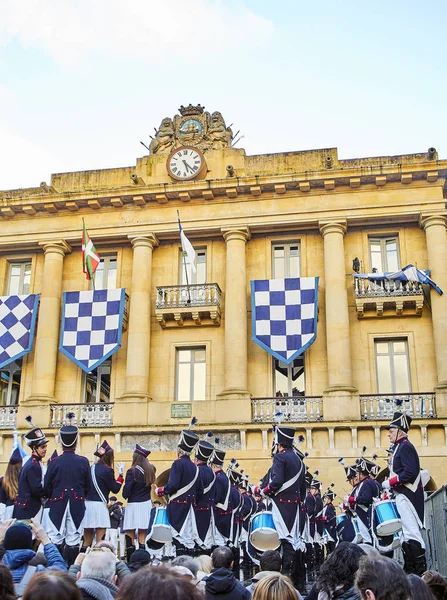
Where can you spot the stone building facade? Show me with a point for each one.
(188, 350)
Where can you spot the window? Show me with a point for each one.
(288, 380)
(19, 278)
(392, 365)
(190, 374)
(97, 384)
(10, 382)
(105, 274)
(199, 276)
(286, 260)
(384, 254)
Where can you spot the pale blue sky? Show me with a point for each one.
(81, 83)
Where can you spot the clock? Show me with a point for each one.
(185, 163)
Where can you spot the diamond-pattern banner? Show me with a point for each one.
(284, 315)
(17, 324)
(92, 324)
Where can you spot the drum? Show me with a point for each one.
(396, 542)
(387, 518)
(341, 519)
(357, 535)
(161, 529)
(263, 534)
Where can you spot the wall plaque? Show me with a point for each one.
(180, 411)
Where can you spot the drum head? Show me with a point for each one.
(389, 527)
(161, 534)
(264, 539)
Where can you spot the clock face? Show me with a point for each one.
(185, 163)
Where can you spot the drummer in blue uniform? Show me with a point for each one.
(183, 487)
(28, 504)
(97, 517)
(66, 484)
(204, 504)
(315, 487)
(236, 500)
(362, 499)
(283, 488)
(222, 510)
(345, 528)
(249, 508)
(330, 519)
(405, 482)
(310, 507)
(9, 483)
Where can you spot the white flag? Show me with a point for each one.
(187, 247)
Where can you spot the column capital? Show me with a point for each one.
(55, 247)
(427, 220)
(333, 227)
(144, 239)
(241, 233)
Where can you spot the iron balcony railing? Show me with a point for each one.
(420, 405)
(97, 414)
(8, 416)
(294, 408)
(366, 288)
(183, 296)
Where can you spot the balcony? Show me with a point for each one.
(379, 407)
(188, 305)
(8, 416)
(86, 415)
(294, 408)
(383, 297)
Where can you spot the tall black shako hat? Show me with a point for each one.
(188, 439)
(204, 448)
(218, 456)
(350, 470)
(104, 448)
(329, 493)
(401, 421)
(315, 483)
(282, 435)
(69, 432)
(35, 437)
(233, 472)
(296, 449)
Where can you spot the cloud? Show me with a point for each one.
(152, 31)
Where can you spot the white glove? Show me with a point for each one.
(120, 467)
(386, 485)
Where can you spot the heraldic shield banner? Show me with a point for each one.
(17, 325)
(284, 315)
(92, 325)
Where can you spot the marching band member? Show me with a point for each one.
(405, 482)
(28, 503)
(310, 506)
(235, 505)
(362, 498)
(203, 507)
(330, 519)
(9, 484)
(345, 530)
(283, 488)
(97, 517)
(183, 487)
(222, 509)
(315, 487)
(137, 491)
(66, 484)
(249, 508)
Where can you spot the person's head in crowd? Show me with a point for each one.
(382, 579)
(222, 558)
(419, 589)
(156, 503)
(112, 499)
(39, 559)
(18, 537)
(7, 591)
(56, 585)
(204, 563)
(188, 562)
(99, 564)
(154, 583)
(339, 569)
(108, 545)
(275, 587)
(437, 584)
(270, 560)
(370, 551)
(140, 558)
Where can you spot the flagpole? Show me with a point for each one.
(184, 262)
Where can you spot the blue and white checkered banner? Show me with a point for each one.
(284, 315)
(92, 325)
(17, 325)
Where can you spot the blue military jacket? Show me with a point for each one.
(286, 466)
(67, 482)
(364, 493)
(105, 479)
(205, 500)
(222, 509)
(311, 506)
(183, 473)
(30, 492)
(319, 521)
(135, 489)
(407, 467)
(330, 521)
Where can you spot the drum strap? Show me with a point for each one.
(207, 489)
(289, 483)
(185, 488)
(97, 488)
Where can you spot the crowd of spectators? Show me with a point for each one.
(351, 572)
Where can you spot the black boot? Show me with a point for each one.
(419, 560)
(236, 561)
(408, 558)
(298, 574)
(130, 548)
(288, 555)
(61, 548)
(70, 554)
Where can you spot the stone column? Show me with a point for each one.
(435, 233)
(340, 398)
(236, 332)
(138, 334)
(47, 337)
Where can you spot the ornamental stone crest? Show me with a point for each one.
(192, 127)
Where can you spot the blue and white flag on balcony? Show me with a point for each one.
(92, 324)
(408, 273)
(284, 315)
(17, 325)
